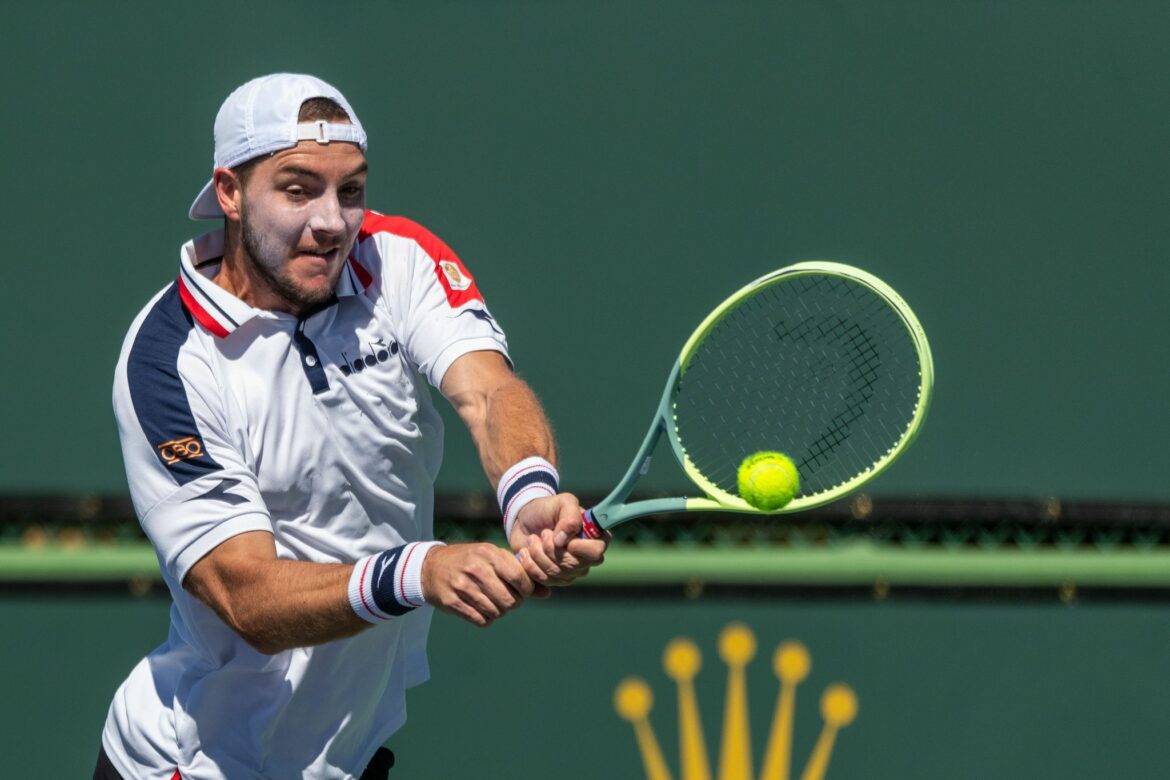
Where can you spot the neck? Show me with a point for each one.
(239, 276)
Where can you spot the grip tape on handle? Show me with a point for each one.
(589, 527)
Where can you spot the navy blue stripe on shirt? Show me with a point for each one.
(157, 391)
(195, 288)
(310, 360)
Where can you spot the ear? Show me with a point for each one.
(229, 191)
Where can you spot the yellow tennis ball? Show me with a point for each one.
(768, 480)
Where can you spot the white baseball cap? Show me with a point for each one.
(260, 117)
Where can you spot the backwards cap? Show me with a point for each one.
(260, 117)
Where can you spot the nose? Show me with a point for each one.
(326, 216)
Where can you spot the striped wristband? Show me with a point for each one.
(529, 479)
(389, 584)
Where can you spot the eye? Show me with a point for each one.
(352, 190)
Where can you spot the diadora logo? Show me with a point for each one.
(380, 352)
(176, 450)
(483, 316)
(456, 277)
(222, 492)
(791, 664)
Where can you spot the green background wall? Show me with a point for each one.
(609, 170)
(945, 691)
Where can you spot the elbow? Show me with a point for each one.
(263, 645)
(235, 595)
(248, 626)
(256, 637)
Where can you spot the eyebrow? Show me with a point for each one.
(297, 170)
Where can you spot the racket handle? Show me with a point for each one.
(589, 527)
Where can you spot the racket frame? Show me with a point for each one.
(612, 511)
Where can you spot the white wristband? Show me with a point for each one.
(389, 584)
(529, 479)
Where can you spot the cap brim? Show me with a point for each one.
(206, 205)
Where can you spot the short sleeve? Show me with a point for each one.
(441, 311)
(188, 477)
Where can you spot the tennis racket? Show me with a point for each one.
(821, 361)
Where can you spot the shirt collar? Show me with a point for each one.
(217, 309)
(354, 278)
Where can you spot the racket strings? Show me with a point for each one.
(817, 366)
(863, 371)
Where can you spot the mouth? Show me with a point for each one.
(325, 255)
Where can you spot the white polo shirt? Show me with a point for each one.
(319, 430)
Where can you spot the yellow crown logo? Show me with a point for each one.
(681, 660)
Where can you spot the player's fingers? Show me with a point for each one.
(471, 591)
(512, 573)
(451, 592)
(578, 558)
(475, 598)
(570, 568)
(492, 588)
(570, 574)
(534, 572)
(498, 595)
(590, 552)
(475, 617)
(543, 554)
(569, 520)
(548, 543)
(463, 610)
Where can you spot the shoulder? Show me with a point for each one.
(390, 240)
(160, 348)
(409, 253)
(162, 368)
(381, 225)
(160, 328)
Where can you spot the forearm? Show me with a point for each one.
(279, 604)
(511, 433)
(514, 428)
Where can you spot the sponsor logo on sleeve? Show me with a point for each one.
(457, 282)
(175, 450)
(457, 277)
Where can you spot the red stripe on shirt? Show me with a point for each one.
(362, 274)
(200, 313)
(436, 250)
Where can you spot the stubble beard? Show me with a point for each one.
(268, 261)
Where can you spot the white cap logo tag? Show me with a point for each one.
(458, 279)
(262, 117)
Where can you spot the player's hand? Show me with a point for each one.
(477, 582)
(545, 538)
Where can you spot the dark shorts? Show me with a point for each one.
(377, 769)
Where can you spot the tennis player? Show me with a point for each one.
(281, 447)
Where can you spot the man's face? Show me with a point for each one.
(300, 212)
